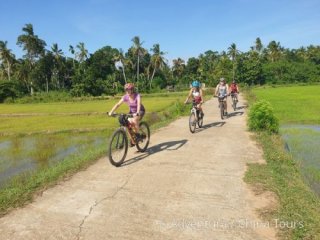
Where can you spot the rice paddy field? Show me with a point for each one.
(298, 110)
(38, 136)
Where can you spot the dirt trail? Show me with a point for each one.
(187, 186)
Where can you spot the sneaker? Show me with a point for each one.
(132, 144)
(139, 137)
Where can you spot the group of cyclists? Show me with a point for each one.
(136, 108)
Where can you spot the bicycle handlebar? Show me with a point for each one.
(124, 114)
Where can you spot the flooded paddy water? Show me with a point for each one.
(303, 143)
(25, 154)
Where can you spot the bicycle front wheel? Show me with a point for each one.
(200, 120)
(144, 137)
(192, 122)
(118, 147)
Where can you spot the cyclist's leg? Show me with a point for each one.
(200, 110)
(225, 104)
(132, 142)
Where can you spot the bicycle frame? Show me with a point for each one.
(194, 110)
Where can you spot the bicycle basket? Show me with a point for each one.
(123, 120)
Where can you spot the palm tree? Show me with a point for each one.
(72, 51)
(274, 50)
(34, 47)
(57, 54)
(258, 45)
(157, 60)
(83, 52)
(233, 52)
(139, 51)
(6, 57)
(30, 42)
(22, 72)
(178, 67)
(120, 62)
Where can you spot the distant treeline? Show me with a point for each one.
(44, 69)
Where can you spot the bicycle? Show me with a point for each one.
(234, 101)
(118, 146)
(194, 118)
(223, 111)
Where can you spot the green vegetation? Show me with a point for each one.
(284, 174)
(281, 175)
(70, 116)
(303, 143)
(295, 104)
(46, 68)
(65, 149)
(261, 118)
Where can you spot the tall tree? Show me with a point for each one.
(139, 51)
(274, 51)
(233, 52)
(33, 45)
(7, 58)
(73, 52)
(178, 67)
(83, 53)
(258, 45)
(157, 60)
(57, 54)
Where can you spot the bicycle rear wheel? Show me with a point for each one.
(118, 147)
(221, 110)
(144, 135)
(234, 103)
(192, 122)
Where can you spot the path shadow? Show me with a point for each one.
(210, 125)
(166, 146)
(233, 114)
(242, 107)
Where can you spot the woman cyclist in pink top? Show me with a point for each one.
(133, 100)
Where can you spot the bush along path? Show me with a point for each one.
(186, 186)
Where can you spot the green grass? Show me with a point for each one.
(70, 116)
(21, 189)
(295, 104)
(283, 174)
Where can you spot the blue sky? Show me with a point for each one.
(183, 28)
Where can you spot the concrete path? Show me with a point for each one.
(186, 186)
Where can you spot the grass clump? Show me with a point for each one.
(262, 118)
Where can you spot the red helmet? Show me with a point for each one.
(129, 86)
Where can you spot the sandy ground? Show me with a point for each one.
(186, 186)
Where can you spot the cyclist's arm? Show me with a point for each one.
(139, 103)
(216, 91)
(190, 93)
(202, 96)
(116, 106)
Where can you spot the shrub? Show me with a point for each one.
(262, 118)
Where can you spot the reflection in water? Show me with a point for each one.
(302, 141)
(23, 154)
